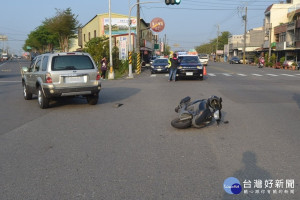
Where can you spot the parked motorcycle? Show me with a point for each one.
(197, 113)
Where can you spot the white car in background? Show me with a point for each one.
(204, 59)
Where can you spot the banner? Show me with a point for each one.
(123, 48)
(119, 26)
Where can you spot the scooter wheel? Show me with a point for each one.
(181, 124)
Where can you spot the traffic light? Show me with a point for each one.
(172, 2)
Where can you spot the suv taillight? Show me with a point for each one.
(48, 78)
(98, 76)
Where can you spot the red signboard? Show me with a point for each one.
(157, 24)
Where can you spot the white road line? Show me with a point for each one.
(6, 70)
(272, 75)
(287, 75)
(297, 74)
(2, 64)
(242, 74)
(153, 75)
(257, 75)
(210, 74)
(166, 74)
(10, 81)
(225, 74)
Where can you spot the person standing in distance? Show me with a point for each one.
(173, 69)
(103, 67)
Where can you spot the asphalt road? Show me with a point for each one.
(77, 151)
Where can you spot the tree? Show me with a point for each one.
(41, 40)
(98, 48)
(211, 46)
(65, 25)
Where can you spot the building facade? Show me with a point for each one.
(280, 33)
(99, 26)
(254, 41)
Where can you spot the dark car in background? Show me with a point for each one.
(234, 60)
(160, 65)
(190, 66)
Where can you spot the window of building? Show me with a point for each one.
(84, 37)
(89, 36)
(282, 37)
(95, 33)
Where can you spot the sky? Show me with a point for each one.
(190, 24)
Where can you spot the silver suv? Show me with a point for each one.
(61, 74)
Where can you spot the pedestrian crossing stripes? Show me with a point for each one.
(210, 74)
(257, 75)
(287, 75)
(240, 74)
(154, 75)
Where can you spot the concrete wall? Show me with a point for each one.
(257, 37)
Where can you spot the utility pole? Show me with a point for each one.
(217, 40)
(270, 34)
(165, 41)
(245, 35)
(138, 37)
(111, 74)
(130, 75)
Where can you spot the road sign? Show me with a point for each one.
(157, 24)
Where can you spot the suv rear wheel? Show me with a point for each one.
(92, 99)
(27, 95)
(42, 100)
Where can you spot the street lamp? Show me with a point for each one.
(111, 74)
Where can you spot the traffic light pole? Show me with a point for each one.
(130, 75)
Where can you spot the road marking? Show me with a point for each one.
(226, 74)
(287, 75)
(6, 70)
(272, 75)
(153, 75)
(242, 74)
(297, 74)
(2, 64)
(10, 81)
(257, 75)
(210, 74)
(166, 74)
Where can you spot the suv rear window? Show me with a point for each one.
(189, 59)
(71, 62)
(161, 61)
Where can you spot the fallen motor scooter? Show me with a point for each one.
(197, 113)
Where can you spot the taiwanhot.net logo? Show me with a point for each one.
(232, 185)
